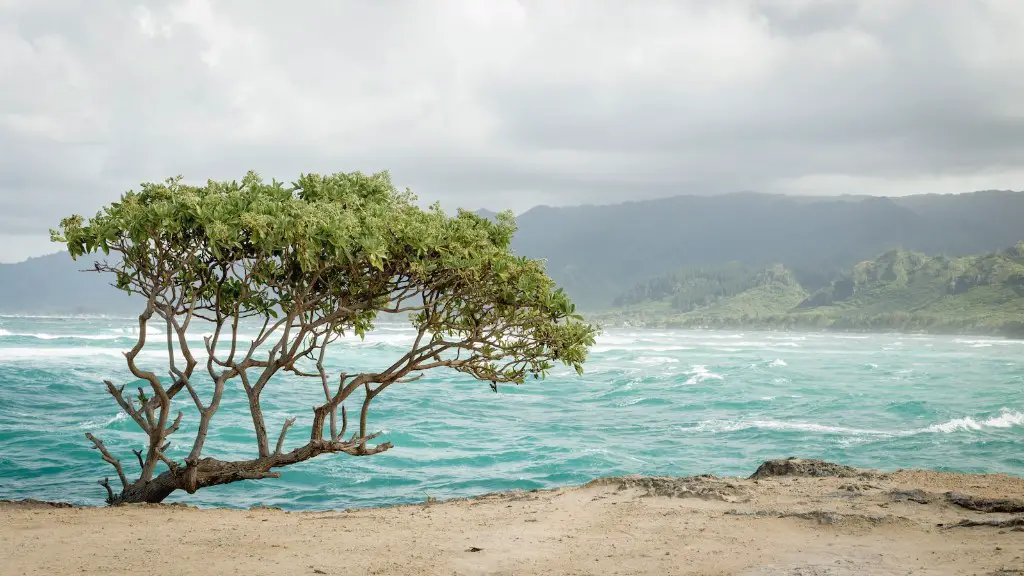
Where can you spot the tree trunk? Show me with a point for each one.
(152, 492)
(208, 472)
(212, 472)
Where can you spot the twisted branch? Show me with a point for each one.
(110, 493)
(98, 445)
(284, 430)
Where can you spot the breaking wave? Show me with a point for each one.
(1006, 419)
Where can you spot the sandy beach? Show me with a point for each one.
(797, 517)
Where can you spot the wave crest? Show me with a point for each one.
(1007, 418)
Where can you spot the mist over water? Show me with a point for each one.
(650, 402)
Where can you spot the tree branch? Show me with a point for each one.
(98, 445)
(110, 493)
(284, 430)
(126, 405)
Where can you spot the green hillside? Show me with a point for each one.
(899, 290)
(598, 252)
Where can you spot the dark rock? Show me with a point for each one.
(832, 518)
(1013, 523)
(804, 467)
(1004, 505)
(915, 495)
(33, 503)
(825, 517)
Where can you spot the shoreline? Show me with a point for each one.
(511, 494)
(792, 516)
(800, 330)
(432, 500)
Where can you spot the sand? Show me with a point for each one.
(864, 523)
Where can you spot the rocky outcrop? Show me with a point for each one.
(989, 505)
(807, 468)
(705, 487)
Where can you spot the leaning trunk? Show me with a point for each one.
(153, 492)
(212, 472)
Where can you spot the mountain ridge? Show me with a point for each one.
(898, 290)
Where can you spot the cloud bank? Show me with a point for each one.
(507, 103)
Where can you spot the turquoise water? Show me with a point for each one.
(650, 402)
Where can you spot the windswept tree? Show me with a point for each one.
(306, 264)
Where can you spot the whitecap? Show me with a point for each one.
(8, 354)
(48, 336)
(737, 425)
(1006, 419)
(94, 424)
(975, 342)
(777, 363)
(655, 360)
(598, 348)
(966, 423)
(700, 373)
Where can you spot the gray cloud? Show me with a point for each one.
(505, 103)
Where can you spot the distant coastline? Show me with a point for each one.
(897, 292)
(1010, 333)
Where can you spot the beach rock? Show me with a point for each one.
(804, 467)
(825, 517)
(1005, 505)
(705, 487)
(33, 503)
(1012, 523)
(915, 495)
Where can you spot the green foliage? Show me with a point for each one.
(337, 250)
(690, 288)
(899, 290)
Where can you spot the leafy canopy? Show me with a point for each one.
(334, 251)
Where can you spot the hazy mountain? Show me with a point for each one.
(598, 252)
(55, 284)
(899, 290)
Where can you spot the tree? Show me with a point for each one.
(304, 265)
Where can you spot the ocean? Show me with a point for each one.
(650, 402)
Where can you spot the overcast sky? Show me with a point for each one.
(506, 104)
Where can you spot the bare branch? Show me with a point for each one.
(98, 444)
(174, 426)
(126, 405)
(138, 454)
(171, 464)
(284, 430)
(110, 493)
